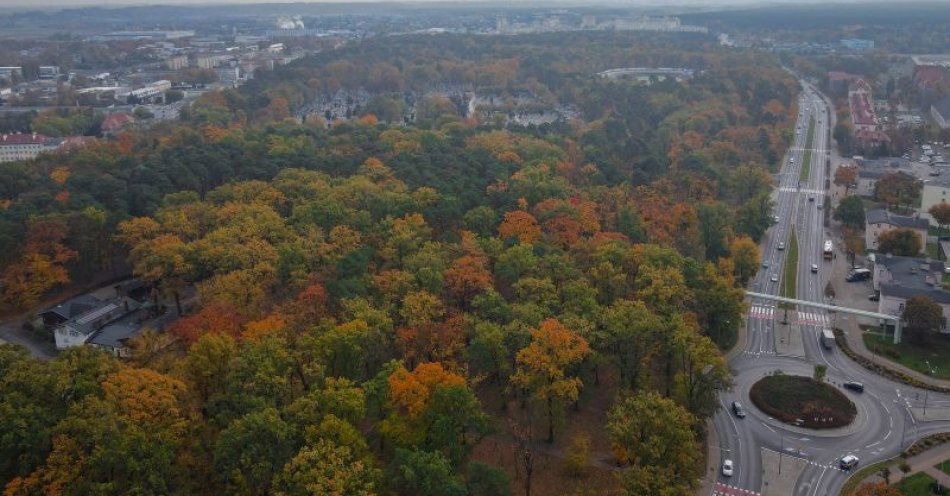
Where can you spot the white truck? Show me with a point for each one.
(827, 339)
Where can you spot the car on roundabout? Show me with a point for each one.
(857, 387)
(848, 462)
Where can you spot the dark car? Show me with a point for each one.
(874, 297)
(737, 409)
(854, 386)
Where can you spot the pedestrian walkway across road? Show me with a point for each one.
(806, 191)
(727, 490)
(894, 319)
(768, 312)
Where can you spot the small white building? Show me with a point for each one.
(880, 221)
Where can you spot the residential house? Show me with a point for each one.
(81, 328)
(901, 278)
(880, 221)
(869, 171)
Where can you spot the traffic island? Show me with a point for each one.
(802, 401)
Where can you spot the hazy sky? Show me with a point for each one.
(39, 4)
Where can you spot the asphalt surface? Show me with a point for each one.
(884, 425)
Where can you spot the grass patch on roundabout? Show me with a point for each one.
(802, 401)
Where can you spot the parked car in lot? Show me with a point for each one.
(727, 468)
(737, 409)
(856, 275)
(854, 386)
(848, 462)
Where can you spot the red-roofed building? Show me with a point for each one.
(114, 123)
(859, 101)
(25, 146)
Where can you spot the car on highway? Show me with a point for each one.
(727, 468)
(848, 462)
(775, 218)
(774, 278)
(781, 245)
(857, 387)
(766, 264)
(811, 198)
(814, 268)
(820, 206)
(737, 409)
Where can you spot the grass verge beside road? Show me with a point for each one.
(806, 158)
(918, 484)
(944, 467)
(790, 271)
(855, 479)
(914, 356)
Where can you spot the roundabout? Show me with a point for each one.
(802, 402)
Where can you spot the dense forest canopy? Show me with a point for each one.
(377, 301)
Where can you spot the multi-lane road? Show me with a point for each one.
(885, 417)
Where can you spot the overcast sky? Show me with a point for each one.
(35, 4)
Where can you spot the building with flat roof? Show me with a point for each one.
(901, 278)
(857, 44)
(10, 71)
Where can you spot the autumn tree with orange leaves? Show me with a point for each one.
(544, 369)
(433, 408)
(521, 225)
(40, 267)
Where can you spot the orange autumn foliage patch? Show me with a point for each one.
(214, 318)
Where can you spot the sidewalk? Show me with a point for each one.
(924, 462)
